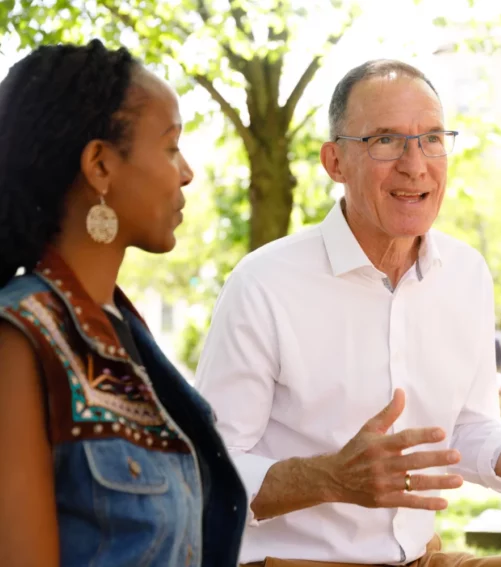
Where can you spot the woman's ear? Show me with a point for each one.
(97, 163)
(331, 156)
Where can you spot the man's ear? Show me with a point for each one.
(97, 163)
(330, 155)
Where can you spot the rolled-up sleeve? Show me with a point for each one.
(477, 434)
(237, 373)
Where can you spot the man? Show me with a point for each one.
(315, 334)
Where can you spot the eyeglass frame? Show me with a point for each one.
(407, 138)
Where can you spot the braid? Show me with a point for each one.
(52, 103)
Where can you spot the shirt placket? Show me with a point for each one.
(398, 346)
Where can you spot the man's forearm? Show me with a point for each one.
(370, 470)
(288, 486)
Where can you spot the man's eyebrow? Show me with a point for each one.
(384, 130)
(177, 126)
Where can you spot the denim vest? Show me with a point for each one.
(133, 487)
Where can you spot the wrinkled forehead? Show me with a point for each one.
(392, 103)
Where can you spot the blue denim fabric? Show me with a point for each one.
(122, 505)
(107, 517)
(225, 510)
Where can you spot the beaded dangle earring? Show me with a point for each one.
(102, 223)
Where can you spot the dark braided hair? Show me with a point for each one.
(52, 103)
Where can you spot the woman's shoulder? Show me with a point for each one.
(21, 289)
(19, 297)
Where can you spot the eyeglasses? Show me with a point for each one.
(388, 147)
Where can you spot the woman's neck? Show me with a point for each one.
(95, 265)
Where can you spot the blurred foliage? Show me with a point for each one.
(451, 523)
(472, 206)
(229, 43)
(215, 236)
(238, 51)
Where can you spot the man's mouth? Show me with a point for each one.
(409, 196)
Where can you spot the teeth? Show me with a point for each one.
(405, 194)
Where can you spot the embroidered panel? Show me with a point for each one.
(108, 398)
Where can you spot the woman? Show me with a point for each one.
(109, 458)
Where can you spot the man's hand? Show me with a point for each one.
(370, 469)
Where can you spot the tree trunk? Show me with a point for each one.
(271, 188)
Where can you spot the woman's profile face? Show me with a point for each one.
(145, 189)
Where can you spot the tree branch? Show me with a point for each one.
(229, 111)
(131, 23)
(202, 80)
(300, 87)
(304, 121)
(124, 18)
(238, 14)
(304, 81)
(203, 10)
(274, 74)
(258, 86)
(282, 35)
(237, 62)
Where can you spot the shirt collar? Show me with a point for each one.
(429, 254)
(91, 321)
(345, 253)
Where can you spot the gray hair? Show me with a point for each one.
(368, 70)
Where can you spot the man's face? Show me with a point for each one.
(399, 198)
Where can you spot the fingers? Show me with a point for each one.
(420, 482)
(412, 437)
(410, 500)
(382, 421)
(422, 460)
(433, 482)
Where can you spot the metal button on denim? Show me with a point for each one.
(134, 467)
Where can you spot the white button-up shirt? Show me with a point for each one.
(308, 341)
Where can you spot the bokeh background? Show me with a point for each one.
(255, 78)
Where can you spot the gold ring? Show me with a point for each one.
(408, 487)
